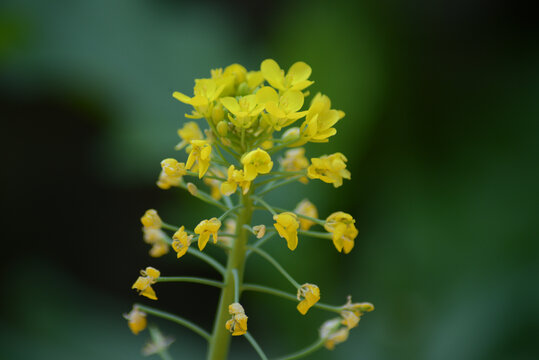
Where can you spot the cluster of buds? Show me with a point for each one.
(252, 116)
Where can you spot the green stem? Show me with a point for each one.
(276, 265)
(174, 318)
(315, 220)
(190, 279)
(260, 242)
(224, 215)
(218, 349)
(285, 295)
(208, 259)
(265, 204)
(255, 345)
(316, 234)
(169, 227)
(278, 185)
(236, 285)
(204, 197)
(206, 176)
(307, 351)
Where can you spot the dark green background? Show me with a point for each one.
(441, 132)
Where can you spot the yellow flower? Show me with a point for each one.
(350, 318)
(287, 226)
(341, 225)
(165, 182)
(206, 92)
(136, 320)
(256, 162)
(238, 324)
(337, 337)
(181, 241)
(307, 208)
(206, 228)
(190, 131)
(282, 110)
(333, 334)
(153, 234)
(151, 219)
(254, 79)
(259, 231)
(144, 282)
(329, 169)
(310, 294)
(266, 145)
(235, 179)
(173, 168)
(317, 126)
(201, 152)
(295, 160)
(245, 111)
(296, 78)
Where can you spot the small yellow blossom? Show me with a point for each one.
(350, 318)
(144, 282)
(206, 92)
(266, 145)
(295, 160)
(173, 168)
(190, 131)
(329, 169)
(136, 320)
(200, 152)
(165, 182)
(283, 110)
(341, 225)
(235, 178)
(181, 241)
(337, 337)
(151, 219)
(254, 79)
(259, 231)
(153, 234)
(256, 162)
(332, 332)
(287, 226)
(310, 294)
(206, 228)
(306, 208)
(245, 111)
(238, 324)
(296, 78)
(317, 126)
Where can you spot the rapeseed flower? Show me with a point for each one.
(295, 79)
(136, 320)
(238, 324)
(201, 153)
(318, 125)
(283, 110)
(206, 91)
(206, 228)
(245, 111)
(330, 169)
(306, 208)
(143, 284)
(256, 162)
(235, 178)
(181, 241)
(287, 226)
(190, 131)
(152, 233)
(341, 225)
(309, 295)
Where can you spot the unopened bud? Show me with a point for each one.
(222, 128)
(259, 230)
(291, 134)
(217, 114)
(192, 188)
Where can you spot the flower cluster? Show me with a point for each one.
(251, 117)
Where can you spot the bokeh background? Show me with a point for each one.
(441, 132)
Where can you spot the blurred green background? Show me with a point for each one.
(441, 132)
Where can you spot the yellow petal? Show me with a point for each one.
(300, 71)
(267, 94)
(231, 104)
(272, 73)
(181, 97)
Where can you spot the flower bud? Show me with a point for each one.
(192, 188)
(222, 128)
(291, 134)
